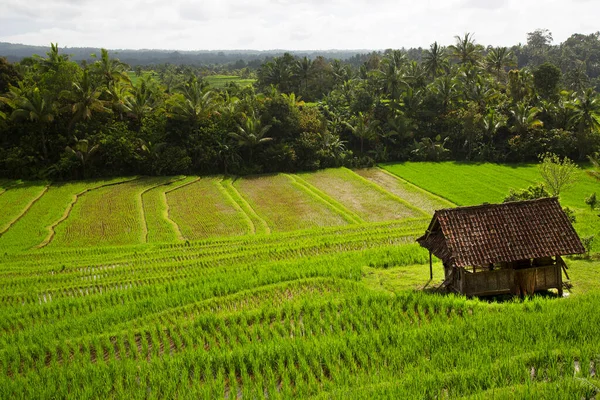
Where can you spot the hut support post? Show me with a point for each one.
(430, 267)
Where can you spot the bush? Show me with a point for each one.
(531, 193)
(591, 201)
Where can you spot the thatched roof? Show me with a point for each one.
(491, 233)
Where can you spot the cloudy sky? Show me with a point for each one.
(288, 24)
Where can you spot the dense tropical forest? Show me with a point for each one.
(62, 119)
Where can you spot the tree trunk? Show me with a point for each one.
(44, 144)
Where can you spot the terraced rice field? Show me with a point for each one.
(368, 201)
(285, 206)
(204, 209)
(110, 215)
(282, 286)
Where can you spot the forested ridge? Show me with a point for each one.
(61, 119)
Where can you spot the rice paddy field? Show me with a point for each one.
(279, 286)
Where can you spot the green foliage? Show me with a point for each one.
(557, 174)
(533, 192)
(546, 79)
(365, 109)
(591, 201)
(587, 242)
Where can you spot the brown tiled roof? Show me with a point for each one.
(491, 233)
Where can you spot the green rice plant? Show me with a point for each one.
(221, 81)
(107, 216)
(158, 227)
(256, 223)
(17, 200)
(202, 210)
(36, 225)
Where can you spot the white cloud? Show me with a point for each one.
(289, 24)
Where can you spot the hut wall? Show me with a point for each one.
(502, 281)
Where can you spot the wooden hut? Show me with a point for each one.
(505, 248)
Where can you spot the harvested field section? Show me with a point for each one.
(110, 215)
(416, 196)
(203, 209)
(17, 200)
(367, 202)
(284, 206)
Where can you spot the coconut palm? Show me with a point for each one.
(117, 93)
(195, 103)
(524, 118)
(303, 71)
(446, 88)
(364, 127)
(595, 160)
(498, 59)
(83, 151)
(465, 50)
(139, 103)
(251, 134)
(391, 79)
(111, 70)
(585, 118)
(84, 99)
(28, 104)
(586, 112)
(435, 60)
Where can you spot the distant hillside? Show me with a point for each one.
(16, 52)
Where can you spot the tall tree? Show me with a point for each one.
(585, 120)
(364, 127)
(435, 60)
(196, 102)
(524, 118)
(302, 70)
(251, 134)
(84, 152)
(465, 50)
(498, 59)
(28, 104)
(110, 70)
(84, 99)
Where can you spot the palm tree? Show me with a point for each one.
(139, 103)
(195, 103)
(524, 118)
(498, 59)
(520, 84)
(53, 60)
(585, 118)
(446, 89)
(110, 69)
(303, 71)
(364, 128)
(465, 50)
(251, 134)
(83, 151)
(595, 160)
(435, 60)
(391, 79)
(84, 99)
(28, 104)
(117, 93)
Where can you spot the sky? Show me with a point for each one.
(288, 24)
